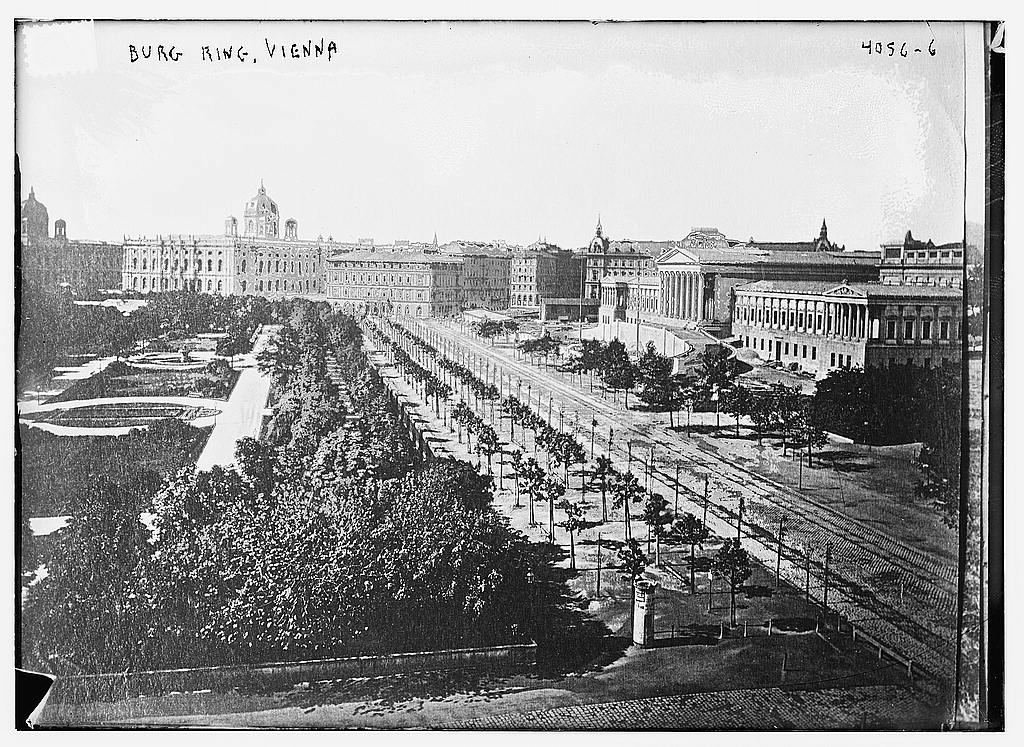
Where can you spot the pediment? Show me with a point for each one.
(678, 255)
(845, 291)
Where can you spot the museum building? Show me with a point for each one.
(818, 326)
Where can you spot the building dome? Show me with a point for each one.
(35, 220)
(261, 215)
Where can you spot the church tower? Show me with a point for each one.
(261, 216)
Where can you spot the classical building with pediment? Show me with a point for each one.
(693, 278)
(698, 275)
(820, 326)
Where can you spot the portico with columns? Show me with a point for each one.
(682, 296)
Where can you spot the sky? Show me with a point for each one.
(508, 130)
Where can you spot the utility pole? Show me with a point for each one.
(676, 511)
(778, 558)
(739, 521)
(705, 500)
(593, 431)
(828, 559)
(598, 564)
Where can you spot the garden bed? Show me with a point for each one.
(120, 415)
(215, 381)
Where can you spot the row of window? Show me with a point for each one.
(910, 327)
(174, 268)
(760, 342)
(279, 266)
(174, 284)
(818, 322)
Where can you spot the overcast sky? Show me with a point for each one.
(509, 130)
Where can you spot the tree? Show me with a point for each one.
(487, 443)
(619, 371)
(605, 473)
(718, 370)
(632, 562)
(692, 532)
(553, 490)
(517, 463)
(658, 387)
(789, 409)
(763, 413)
(733, 564)
(738, 402)
(573, 523)
(533, 476)
(657, 517)
(626, 489)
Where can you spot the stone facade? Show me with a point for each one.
(543, 271)
(818, 327)
(52, 263)
(408, 284)
(697, 277)
(916, 262)
(485, 274)
(624, 258)
(256, 262)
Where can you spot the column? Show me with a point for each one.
(685, 309)
(700, 297)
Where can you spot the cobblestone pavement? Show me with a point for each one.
(774, 708)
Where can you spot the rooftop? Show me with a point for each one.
(394, 257)
(871, 290)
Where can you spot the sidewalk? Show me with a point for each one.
(242, 414)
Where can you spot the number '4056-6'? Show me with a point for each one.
(903, 50)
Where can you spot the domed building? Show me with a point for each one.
(261, 216)
(35, 220)
(51, 263)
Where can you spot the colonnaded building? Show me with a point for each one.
(693, 279)
(819, 326)
(52, 263)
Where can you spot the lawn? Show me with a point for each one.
(57, 472)
(121, 380)
(874, 484)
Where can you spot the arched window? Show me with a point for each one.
(243, 268)
(135, 283)
(209, 285)
(220, 285)
(135, 263)
(261, 266)
(243, 286)
(259, 286)
(277, 266)
(220, 265)
(143, 283)
(143, 263)
(175, 283)
(277, 285)
(185, 265)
